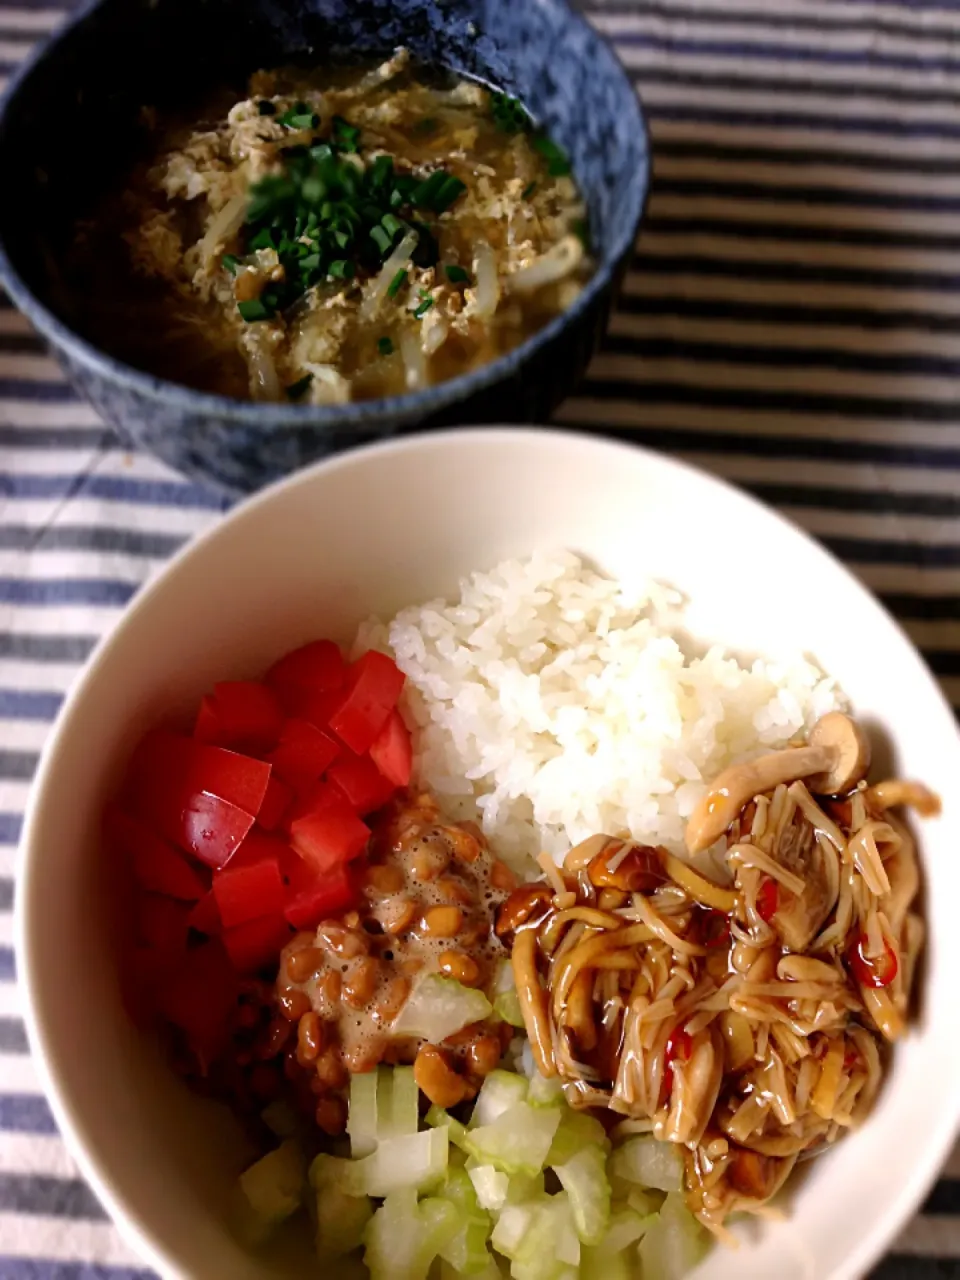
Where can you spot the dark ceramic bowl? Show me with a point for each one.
(68, 120)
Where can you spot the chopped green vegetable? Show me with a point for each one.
(403, 1238)
(545, 1092)
(499, 1091)
(300, 387)
(418, 1160)
(439, 1007)
(346, 136)
(231, 263)
(341, 269)
(255, 309)
(649, 1163)
(528, 190)
(272, 1190)
(438, 1118)
(675, 1243)
(576, 1131)
(363, 1113)
(509, 114)
(467, 1250)
(425, 304)
(385, 346)
(381, 239)
(280, 1118)
(399, 1109)
(584, 1179)
(518, 1141)
(558, 165)
(397, 283)
(341, 1222)
(457, 275)
(300, 117)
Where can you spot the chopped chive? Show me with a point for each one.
(385, 346)
(266, 108)
(381, 239)
(346, 136)
(451, 190)
(391, 224)
(456, 275)
(509, 114)
(558, 166)
(296, 119)
(231, 263)
(255, 309)
(528, 190)
(321, 151)
(426, 192)
(342, 269)
(379, 174)
(262, 240)
(310, 262)
(298, 388)
(423, 308)
(397, 283)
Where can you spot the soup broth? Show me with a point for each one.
(334, 236)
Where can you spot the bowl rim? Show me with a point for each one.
(266, 415)
(927, 1165)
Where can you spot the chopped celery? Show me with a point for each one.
(467, 1250)
(674, 1244)
(491, 1186)
(512, 1225)
(544, 1092)
(437, 1118)
(399, 1112)
(362, 1116)
(539, 1238)
(418, 1161)
(507, 1007)
(584, 1179)
(599, 1264)
(341, 1221)
(280, 1119)
(649, 1163)
(575, 1132)
(272, 1190)
(403, 1238)
(518, 1140)
(644, 1202)
(624, 1229)
(500, 1090)
(439, 1007)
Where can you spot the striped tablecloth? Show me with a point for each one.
(791, 323)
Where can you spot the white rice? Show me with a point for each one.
(552, 704)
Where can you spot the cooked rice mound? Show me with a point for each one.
(553, 703)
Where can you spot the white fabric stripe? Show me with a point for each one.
(13, 50)
(583, 410)
(737, 375)
(13, 796)
(57, 677)
(31, 368)
(825, 12)
(35, 1153)
(65, 461)
(68, 413)
(182, 521)
(834, 337)
(22, 735)
(18, 1075)
(869, 297)
(58, 1239)
(55, 620)
(41, 566)
(840, 177)
(30, 20)
(9, 861)
(10, 1007)
(6, 940)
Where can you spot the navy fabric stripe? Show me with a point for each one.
(57, 1197)
(775, 230)
(10, 824)
(13, 1038)
(21, 437)
(922, 555)
(63, 537)
(943, 663)
(773, 117)
(17, 766)
(788, 270)
(44, 1269)
(21, 343)
(921, 607)
(30, 648)
(795, 157)
(803, 193)
(26, 1113)
(156, 493)
(7, 965)
(29, 704)
(944, 1198)
(43, 392)
(6, 893)
(914, 1268)
(57, 591)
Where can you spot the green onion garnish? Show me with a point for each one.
(381, 239)
(266, 108)
(558, 166)
(300, 117)
(255, 309)
(385, 346)
(451, 190)
(391, 224)
(509, 114)
(297, 389)
(456, 275)
(528, 191)
(346, 136)
(231, 263)
(341, 269)
(397, 283)
(424, 306)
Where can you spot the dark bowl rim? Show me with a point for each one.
(267, 415)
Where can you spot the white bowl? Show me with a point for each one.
(369, 532)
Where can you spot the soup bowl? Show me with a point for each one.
(307, 559)
(69, 120)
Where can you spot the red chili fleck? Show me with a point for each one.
(679, 1047)
(768, 900)
(872, 971)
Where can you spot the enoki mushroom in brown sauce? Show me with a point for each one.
(745, 1021)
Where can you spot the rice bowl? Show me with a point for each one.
(611, 502)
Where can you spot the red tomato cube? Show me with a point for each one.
(157, 866)
(392, 750)
(205, 917)
(321, 896)
(199, 998)
(303, 753)
(361, 782)
(257, 943)
(275, 804)
(207, 726)
(374, 683)
(249, 715)
(313, 668)
(330, 833)
(212, 829)
(248, 892)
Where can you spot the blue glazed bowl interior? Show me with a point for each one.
(71, 123)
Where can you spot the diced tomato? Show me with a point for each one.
(213, 829)
(248, 892)
(205, 917)
(317, 708)
(275, 804)
(249, 714)
(258, 846)
(162, 924)
(360, 781)
(321, 896)
(199, 997)
(714, 928)
(303, 753)
(392, 750)
(330, 833)
(872, 971)
(678, 1049)
(374, 683)
(207, 726)
(768, 899)
(314, 668)
(257, 943)
(157, 866)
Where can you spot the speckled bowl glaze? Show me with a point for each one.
(68, 120)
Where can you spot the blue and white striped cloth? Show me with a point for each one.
(791, 322)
